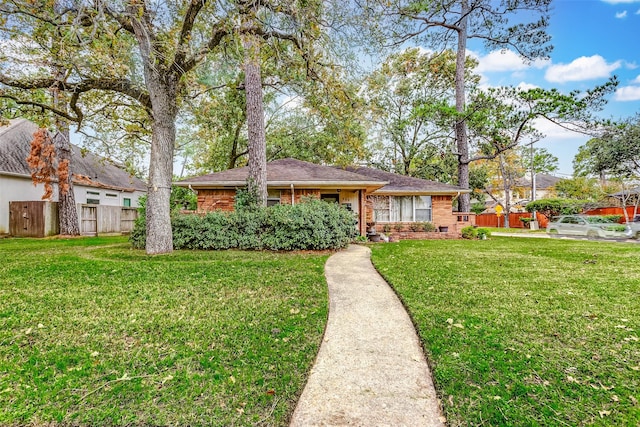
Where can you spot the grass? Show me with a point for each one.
(94, 333)
(525, 334)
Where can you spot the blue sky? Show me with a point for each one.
(593, 40)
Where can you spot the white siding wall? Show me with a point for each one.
(15, 188)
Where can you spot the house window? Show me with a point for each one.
(402, 208)
(111, 195)
(273, 197)
(126, 203)
(381, 211)
(93, 198)
(422, 208)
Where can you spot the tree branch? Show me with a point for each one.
(187, 28)
(56, 111)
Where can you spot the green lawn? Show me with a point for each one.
(529, 332)
(94, 333)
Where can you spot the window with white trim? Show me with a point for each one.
(402, 208)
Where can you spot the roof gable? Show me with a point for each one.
(87, 168)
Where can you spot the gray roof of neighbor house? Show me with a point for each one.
(283, 173)
(88, 169)
(543, 181)
(402, 184)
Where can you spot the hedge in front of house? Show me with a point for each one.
(311, 225)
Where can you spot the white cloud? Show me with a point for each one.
(636, 80)
(621, 15)
(638, 12)
(553, 131)
(627, 93)
(526, 86)
(583, 68)
(506, 60)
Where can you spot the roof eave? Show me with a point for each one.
(383, 192)
(355, 185)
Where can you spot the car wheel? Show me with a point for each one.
(592, 234)
(637, 235)
(554, 233)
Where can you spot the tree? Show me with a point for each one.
(615, 153)
(580, 188)
(170, 41)
(451, 23)
(410, 98)
(554, 207)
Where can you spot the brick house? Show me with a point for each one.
(373, 195)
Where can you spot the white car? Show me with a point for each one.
(635, 227)
(589, 226)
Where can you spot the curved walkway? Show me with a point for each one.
(370, 370)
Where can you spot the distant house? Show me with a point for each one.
(520, 193)
(545, 186)
(373, 195)
(96, 182)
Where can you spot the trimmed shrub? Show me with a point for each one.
(310, 225)
(428, 227)
(469, 232)
(472, 233)
(415, 226)
(483, 233)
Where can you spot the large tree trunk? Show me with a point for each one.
(164, 94)
(506, 187)
(257, 180)
(462, 144)
(67, 212)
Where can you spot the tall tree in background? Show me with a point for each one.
(616, 153)
(451, 23)
(410, 98)
(257, 141)
(50, 55)
(170, 41)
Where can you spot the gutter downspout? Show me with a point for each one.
(293, 196)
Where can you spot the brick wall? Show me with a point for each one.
(441, 211)
(214, 200)
(285, 195)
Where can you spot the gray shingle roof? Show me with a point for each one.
(291, 171)
(402, 184)
(88, 169)
(543, 181)
(285, 172)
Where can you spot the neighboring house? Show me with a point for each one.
(545, 186)
(520, 193)
(95, 180)
(373, 195)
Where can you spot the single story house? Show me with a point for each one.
(96, 181)
(374, 196)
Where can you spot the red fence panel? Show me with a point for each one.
(491, 220)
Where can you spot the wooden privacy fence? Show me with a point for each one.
(492, 220)
(614, 211)
(102, 219)
(40, 219)
(33, 218)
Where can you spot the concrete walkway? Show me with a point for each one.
(370, 370)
